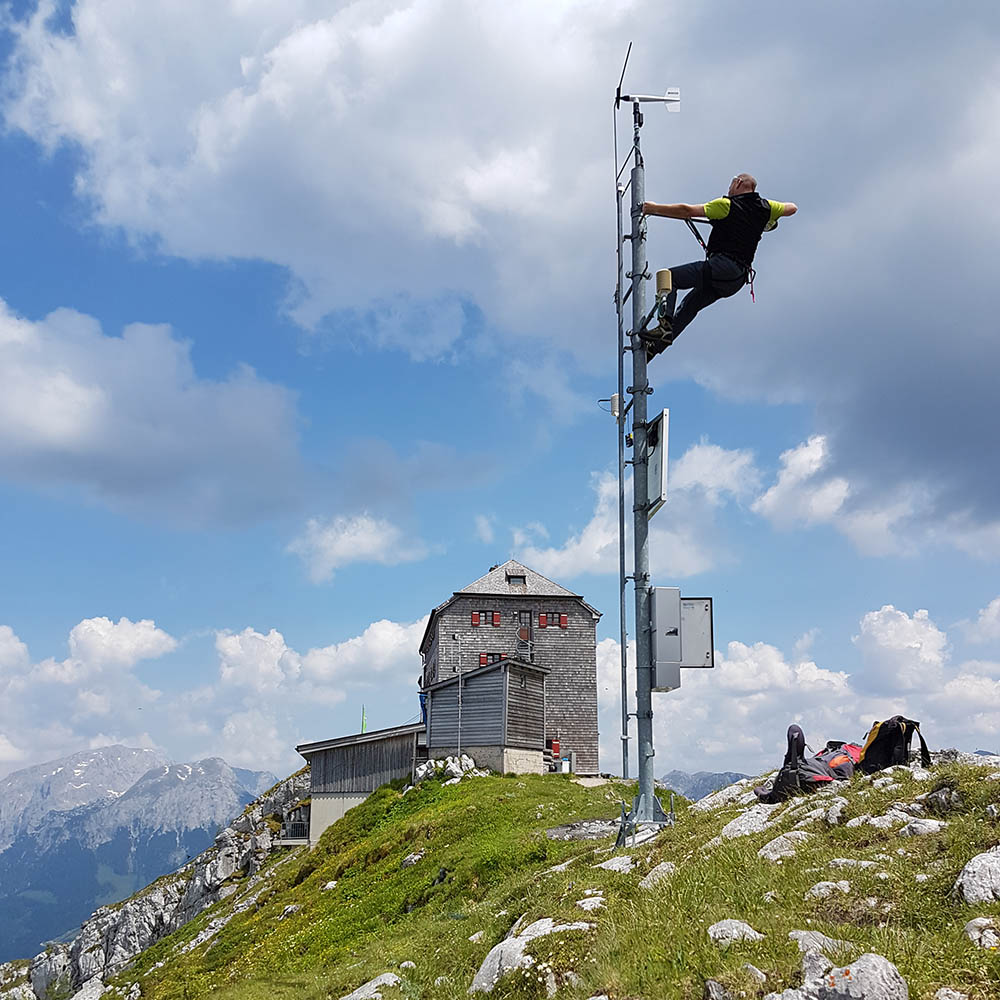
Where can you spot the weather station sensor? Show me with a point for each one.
(656, 460)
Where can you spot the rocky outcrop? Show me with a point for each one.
(114, 935)
(871, 977)
(511, 954)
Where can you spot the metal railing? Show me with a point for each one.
(294, 831)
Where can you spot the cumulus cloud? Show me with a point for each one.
(985, 628)
(807, 493)
(266, 698)
(734, 717)
(325, 546)
(128, 420)
(474, 193)
(683, 539)
(260, 662)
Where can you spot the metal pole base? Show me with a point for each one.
(644, 813)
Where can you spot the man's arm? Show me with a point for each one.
(679, 211)
(790, 208)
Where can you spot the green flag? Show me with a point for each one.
(364, 721)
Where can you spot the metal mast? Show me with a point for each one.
(646, 807)
(639, 390)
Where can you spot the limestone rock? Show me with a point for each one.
(112, 936)
(852, 863)
(922, 827)
(753, 820)
(716, 991)
(477, 937)
(947, 994)
(945, 800)
(372, 989)
(814, 965)
(92, 989)
(824, 890)
(871, 977)
(884, 782)
(979, 881)
(510, 953)
(783, 846)
(411, 859)
(659, 874)
(289, 911)
(835, 812)
(619, 863)
(815, 941)
(328, 886)
(724, 797)
(983, 932)
(755, 972)
(725, 932)
(407, 965)
(590, 903)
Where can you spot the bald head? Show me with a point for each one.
(742, 184)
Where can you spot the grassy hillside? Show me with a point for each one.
(486, 863)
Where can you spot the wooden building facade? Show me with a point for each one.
(343, 772)
(515, 613)
(499, 720)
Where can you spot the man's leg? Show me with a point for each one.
(693, 276)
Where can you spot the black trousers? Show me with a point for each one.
(716, 277)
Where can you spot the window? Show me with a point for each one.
(516, 580)
(487, 658)
(553, 619)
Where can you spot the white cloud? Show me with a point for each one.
(900, 652)
(717, 471)
(101, 642)
(386, 649)
(806, 494)
(129, 421)
(799, 496)
(268, 696)
(325, 546)
(260, 662)
(484, 528)
(683, 539)
(734, 717)
(231, 141)
(985, 628)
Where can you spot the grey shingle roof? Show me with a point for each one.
(535, 585)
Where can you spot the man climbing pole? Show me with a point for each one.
(738, 222)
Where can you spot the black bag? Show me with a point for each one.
(888, 743)
(799, 773)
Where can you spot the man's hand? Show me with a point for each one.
(678, 211)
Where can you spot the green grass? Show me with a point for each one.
(487, 835)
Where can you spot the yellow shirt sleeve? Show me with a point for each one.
(777, 207)
(717, 209)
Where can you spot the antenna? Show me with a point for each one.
(621, 80)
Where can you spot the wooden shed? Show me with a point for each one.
(345, 771)
(496, 714)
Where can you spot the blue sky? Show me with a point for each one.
(307, 310)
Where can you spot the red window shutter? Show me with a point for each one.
(543, 621)
(496, 617)
(564, 621)
(482, 659)
(475, 617)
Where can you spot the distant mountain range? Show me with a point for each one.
(92, 828)
(701, 783)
